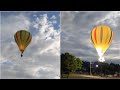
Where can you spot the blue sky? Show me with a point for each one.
(41, 58)
(32, 17)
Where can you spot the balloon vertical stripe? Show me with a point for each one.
(95, 35)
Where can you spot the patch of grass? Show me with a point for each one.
(81, 76)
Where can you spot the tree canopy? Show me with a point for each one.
(69, 63)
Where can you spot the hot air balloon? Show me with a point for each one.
(101, 37)
(23, 39)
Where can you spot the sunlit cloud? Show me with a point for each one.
(43, 49)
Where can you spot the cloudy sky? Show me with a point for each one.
(75, 34)
(41, 58)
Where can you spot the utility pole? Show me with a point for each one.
(90, 68)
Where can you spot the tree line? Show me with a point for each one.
(73, 64)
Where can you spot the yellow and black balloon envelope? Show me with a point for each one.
(101, 37)
(23, 39)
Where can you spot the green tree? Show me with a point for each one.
(79, 64)
(69, 63)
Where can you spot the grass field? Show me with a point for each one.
(82, 76)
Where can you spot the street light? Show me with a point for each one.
(96, 65)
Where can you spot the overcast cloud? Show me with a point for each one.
(75, 34)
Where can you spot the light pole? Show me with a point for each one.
(90, 68)
(101, 69)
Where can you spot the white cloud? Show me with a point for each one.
(47, 32)
(110, 18)
(53, 17)
(54, 22)
(40, 52)
(36, 26)
(43, 20)
(37, 71)
(34, 15)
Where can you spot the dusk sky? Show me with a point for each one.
(76, 29)
(41, 59)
